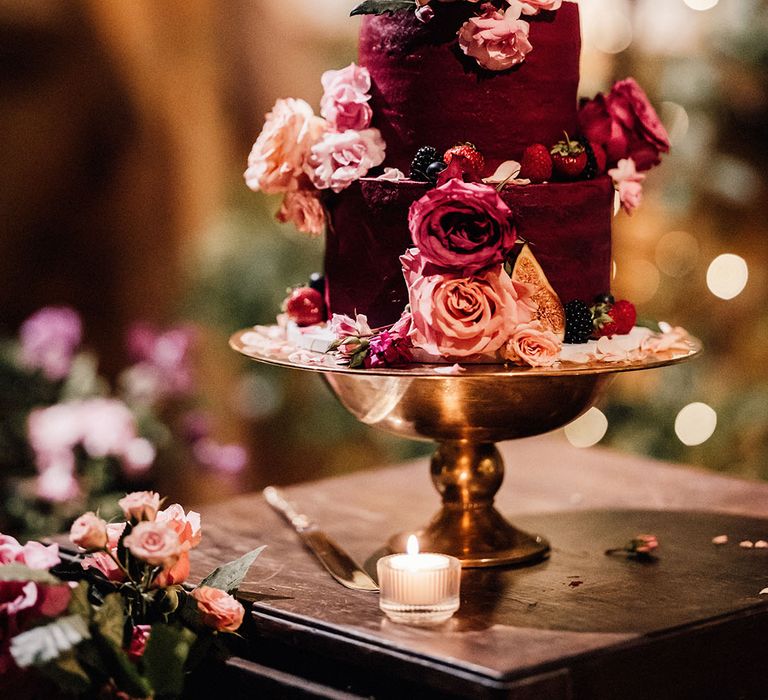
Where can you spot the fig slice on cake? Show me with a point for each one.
(549, 309)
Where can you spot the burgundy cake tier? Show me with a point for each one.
(568, 226)
(426, 92)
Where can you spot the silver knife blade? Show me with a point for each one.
(336, 561)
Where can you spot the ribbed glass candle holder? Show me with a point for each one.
(419, 589)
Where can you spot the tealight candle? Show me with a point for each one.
(419, 588)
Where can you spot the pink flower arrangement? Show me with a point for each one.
(461, 226)
(345, 100)
(49, 340)
(302, 208)
(340, 158)
(532, 344)
(458, 316)
(628, 183)
(496, 40)
(626, 125)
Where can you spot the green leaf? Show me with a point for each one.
(68, 673)
(120, 668)
(79, 603)
(40, 645)
(379, 7)
(110, 619)
(20, 572)
(228, 577)
(164, 658)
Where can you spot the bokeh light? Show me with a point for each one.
(701, 5)
(587, 430)
(695, 424)
(677, 253)
(727, 276)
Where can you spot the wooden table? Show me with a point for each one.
(580, 625)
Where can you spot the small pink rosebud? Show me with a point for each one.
(140, 505)
(89, 531)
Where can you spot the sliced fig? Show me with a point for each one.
(549, 309)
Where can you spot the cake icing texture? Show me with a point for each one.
(465, 195)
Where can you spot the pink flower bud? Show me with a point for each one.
(89, 531)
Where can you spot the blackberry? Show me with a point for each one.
(590, 172)
(434, 170)
(578, 322)
(424, 157)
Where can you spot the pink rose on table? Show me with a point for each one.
(218, 609)
(140, 505)
(302, 208)
(338, 159)
(458, 316)
(155, 543)
(462, 226)
(531, 344)
(89, 531)
(345, 101)
(278, 157)
(496, 40)
(626, 125)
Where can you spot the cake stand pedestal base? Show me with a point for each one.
(467, 475)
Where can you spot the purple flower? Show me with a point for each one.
(49, 340)
(464, 227)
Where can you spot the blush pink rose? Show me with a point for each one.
(302, 208)
(140, 505)
(155, 543)
(186, 525)
(455, 316)
(461, 226)
(345, 100)
(496, 40)
(106, 564)
(338, 159)
(218, 609)
(89, 531)
(626, 125)
(33, 554)
(278, 157)
(531, 344)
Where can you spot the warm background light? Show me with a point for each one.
(695, 424)
(587, 430)
(701, 4)
(727, 276)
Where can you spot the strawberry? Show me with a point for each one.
(305, 306)
(569, 158)
(613, 319)
(472, 161)
(537, 164)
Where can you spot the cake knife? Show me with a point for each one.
(336, 561)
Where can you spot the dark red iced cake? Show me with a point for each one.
(425, 91)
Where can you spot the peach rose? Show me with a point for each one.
(178, 573)
(496, 40)
(277, 158)
(456, 316)
(218, 609)
(155, 543)
(186, 525)
(532, 344)
(302, 208)
(89, 531)
(140, 505)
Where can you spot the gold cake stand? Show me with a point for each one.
(466, 413)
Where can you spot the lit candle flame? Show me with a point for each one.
(412, 546)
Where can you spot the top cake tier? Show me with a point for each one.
(426, 92)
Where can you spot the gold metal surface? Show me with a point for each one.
(466, 414)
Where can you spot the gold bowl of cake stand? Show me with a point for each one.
(465, 413)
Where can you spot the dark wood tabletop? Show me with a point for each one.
(579, 625)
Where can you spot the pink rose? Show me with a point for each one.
(302, 208)
(9, 549)
(532, 344)
(106, 564)
(173, 575)
(338, 159)
(140, 505)
(456, 316)
(496, 40)
(628, 183)
(533, 7)
(461, 226)
(33, 554)
(89, 531)
(139, 639)
(625, 124)
(345, 101)
(114, 532)
(23, 602)
(155, 543)
(278, 157)
(186, 525)
(218, 609)
(343, 326)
